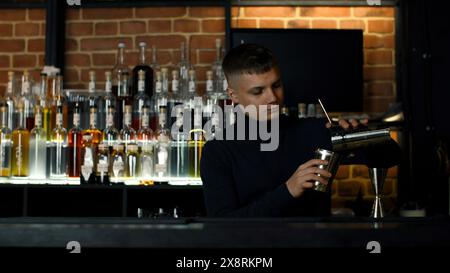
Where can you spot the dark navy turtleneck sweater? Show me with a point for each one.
(240, 180)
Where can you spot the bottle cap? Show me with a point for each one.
(142, 44)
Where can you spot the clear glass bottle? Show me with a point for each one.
(218, 74)
(127, 134)
(133, 169)
(38, 148)
(110, 134)
(10, 101)
(58, 148)
(27, 100)
(184, 66)
(302, 111)
(179, 165)
(5, 144)
(147, 165)
(108, 100)
(20, 148)
(141, 99)
(119, 69)
(155, 101)
(145, 134)
(118, 161)
(103, 164)
(75, 143)
(96, 134)
(162, 148)
(93, 99)
(209, 98)
(87, 161)
(196, 141)
(148, 74)
(154, 64)
(175, 99)
(124, 99)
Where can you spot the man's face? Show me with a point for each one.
(257, 89)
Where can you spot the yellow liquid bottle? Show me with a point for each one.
(20, 149)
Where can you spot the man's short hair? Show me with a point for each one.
(248, 59)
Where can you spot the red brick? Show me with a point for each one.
(104, 59)
(381, 26)
(161, 26)
(375, 89)
(100, 44)
(71, 45)
(73, 14)
(13, 14)
(373, 12)
(27, 29)
(36, 45)
(186, 26)
(4, 61)
(343, 172)
(244, 23)
(378, 105)
(392, 172)
(160, 12)
(213, 25)
(36, 14)
(99, 72)
(107, 13)
(12, 45)
(204, 41)
(206, 12)
(35, 74)
(2, 90)
(327, 24)
(271, 24)
(6, 30)
(352, 24)
(207, 56)
(163, 41)
(360, 171)
(270, 11)
(374, 41)
(82, 60)
(164, 57)
(299, 24)
(348, 188)
(132, 58)
(325, 11)
(109, 28)
(236, 11)
(379, 57)
(41, 60)
(71, 75)
(133, 27)
(43, 30)
(79, 29)
(379, 73)
(24, 60)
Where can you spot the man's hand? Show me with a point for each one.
(305, 174)
(353, 123)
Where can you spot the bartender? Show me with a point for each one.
(241, 180)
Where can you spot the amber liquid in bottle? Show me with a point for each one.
(75, 142)
(20, 149)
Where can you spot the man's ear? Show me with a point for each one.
(233, 95)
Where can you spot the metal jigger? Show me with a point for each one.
(377, 177)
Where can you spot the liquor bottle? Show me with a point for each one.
(59, 100)
(20, 148)
(27, 101)
(140, 100)
(174, 100)
(108, 100)
(179, 165)
(127, 134)
(124, 99)
(45, 103)
(196, 141)
(164, 96)
(75, 142)
(154, 64)
(285, 111)
(103, 164)
(117, 164)
(302, 110)
(58, 148)
(133, 168)
(145, 134)
(87, 161)
(209, 98)
(96, 134)
(192, 95)
(38, 148)
(110, 134)
(92, 97)
(10, 101)
(146, 159)
(119, 69)
(162, 148)
(217, 69)
(155, 100)
(148, 73)
(184, 66)
(5, 144)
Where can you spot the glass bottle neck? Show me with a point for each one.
(142, 55)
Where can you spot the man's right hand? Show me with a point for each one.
(305, 174)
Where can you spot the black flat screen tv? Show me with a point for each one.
(315, 63)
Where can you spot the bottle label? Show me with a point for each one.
(191, 86)
(162, 102)
(92, 120)
(162, 120)
(209, 86)
(144, 120)
(110, 120)
(76, 119)
(102, 166)
(158, 87)
(141, 86)
(118, 166)
(108, 86)
(59, 119)
(127, 119)
(38, 120)
(19, 155)
(91, 86)
(26, 87)
(86, 171)
(174, 85)
(10, 87)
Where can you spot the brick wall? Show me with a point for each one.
(22, 42)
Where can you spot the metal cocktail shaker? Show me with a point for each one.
(332, 166)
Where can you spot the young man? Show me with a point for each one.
(239, 179)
